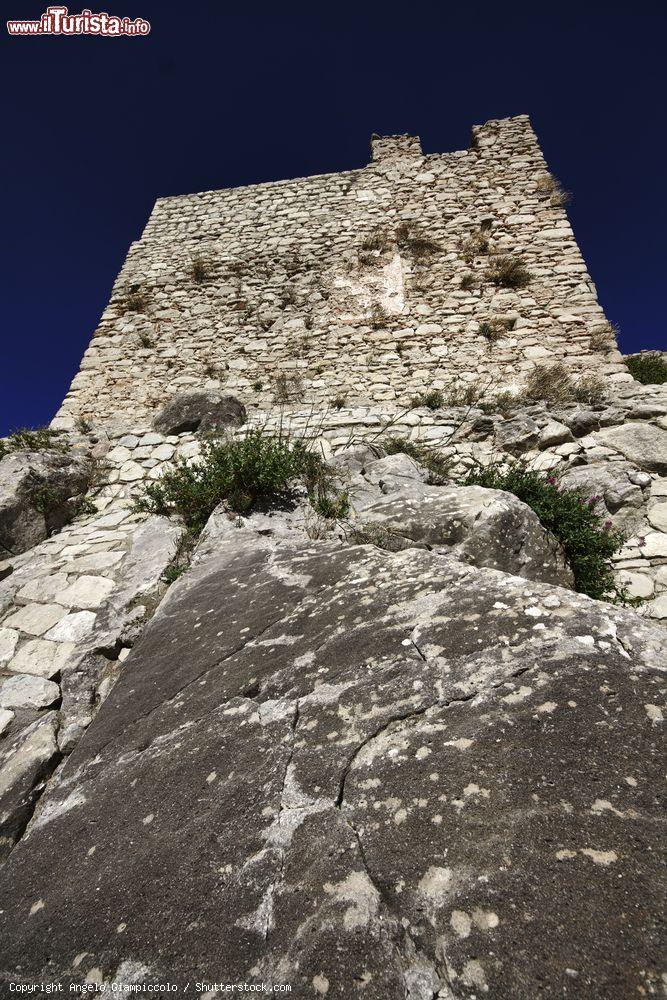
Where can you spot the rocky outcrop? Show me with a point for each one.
(207, 411)
(360, 772)
(393, 507)
(39, 493)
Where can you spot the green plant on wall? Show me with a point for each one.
(588, 540)
(649, 368)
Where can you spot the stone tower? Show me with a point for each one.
(369, 285)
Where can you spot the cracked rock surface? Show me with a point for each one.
(366, 773)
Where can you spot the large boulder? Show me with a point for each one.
(393, 505)
(39, 493)
(643, 444)
(208, 411)
(362, 773)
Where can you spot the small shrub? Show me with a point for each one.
(462, 394)
(468, 282)
(432, 399)
(339, 402)
(257, 386)
(83, 424)
(428, 456)
(379, 317)
(201, 269)
(588, 541)
(43, 496)
(135, 299)
(286, 387)
(84, 506)
(181, 557)
(409, 238)
(509, 272)
(144, 338)
(332, 507)
(173, 571)
(554, 384)
(29, 439)
(591, 389)
(505, 403)
(550, 187)
(603, 338)
(475, 246)
(648, 368)
(493, 329)
(375, 243)
(239, 472)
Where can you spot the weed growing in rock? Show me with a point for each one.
(181, 557)
(240, 471)
(135, 299)
(603, 338)
(201, 269)
(468, 282)
(475, 246)
(550, 187)
(410, 239)
(432, 399)
(509, 272)
(286, 387)
(649, 368)
(433, 460)
(493, 330)
(589, 542)
(554, 384)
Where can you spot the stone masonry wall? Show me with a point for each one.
(349, 286)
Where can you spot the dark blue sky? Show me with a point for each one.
(96, 129)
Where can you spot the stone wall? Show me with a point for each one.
(349, 286)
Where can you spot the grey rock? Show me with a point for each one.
(9, 637)
(86, 592)
(73, 627)
(24, 767)
(482, 527)
(6, 718)
(391, 474)
(119, 621)
(554, 433)
(36, 619)
(28, 691)
(579, 421)
(643, 444)
(39, 493)
(614, 483)
(356, 457)
(206, 411)
(516, 435)
(360, 766)
(41, 658)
